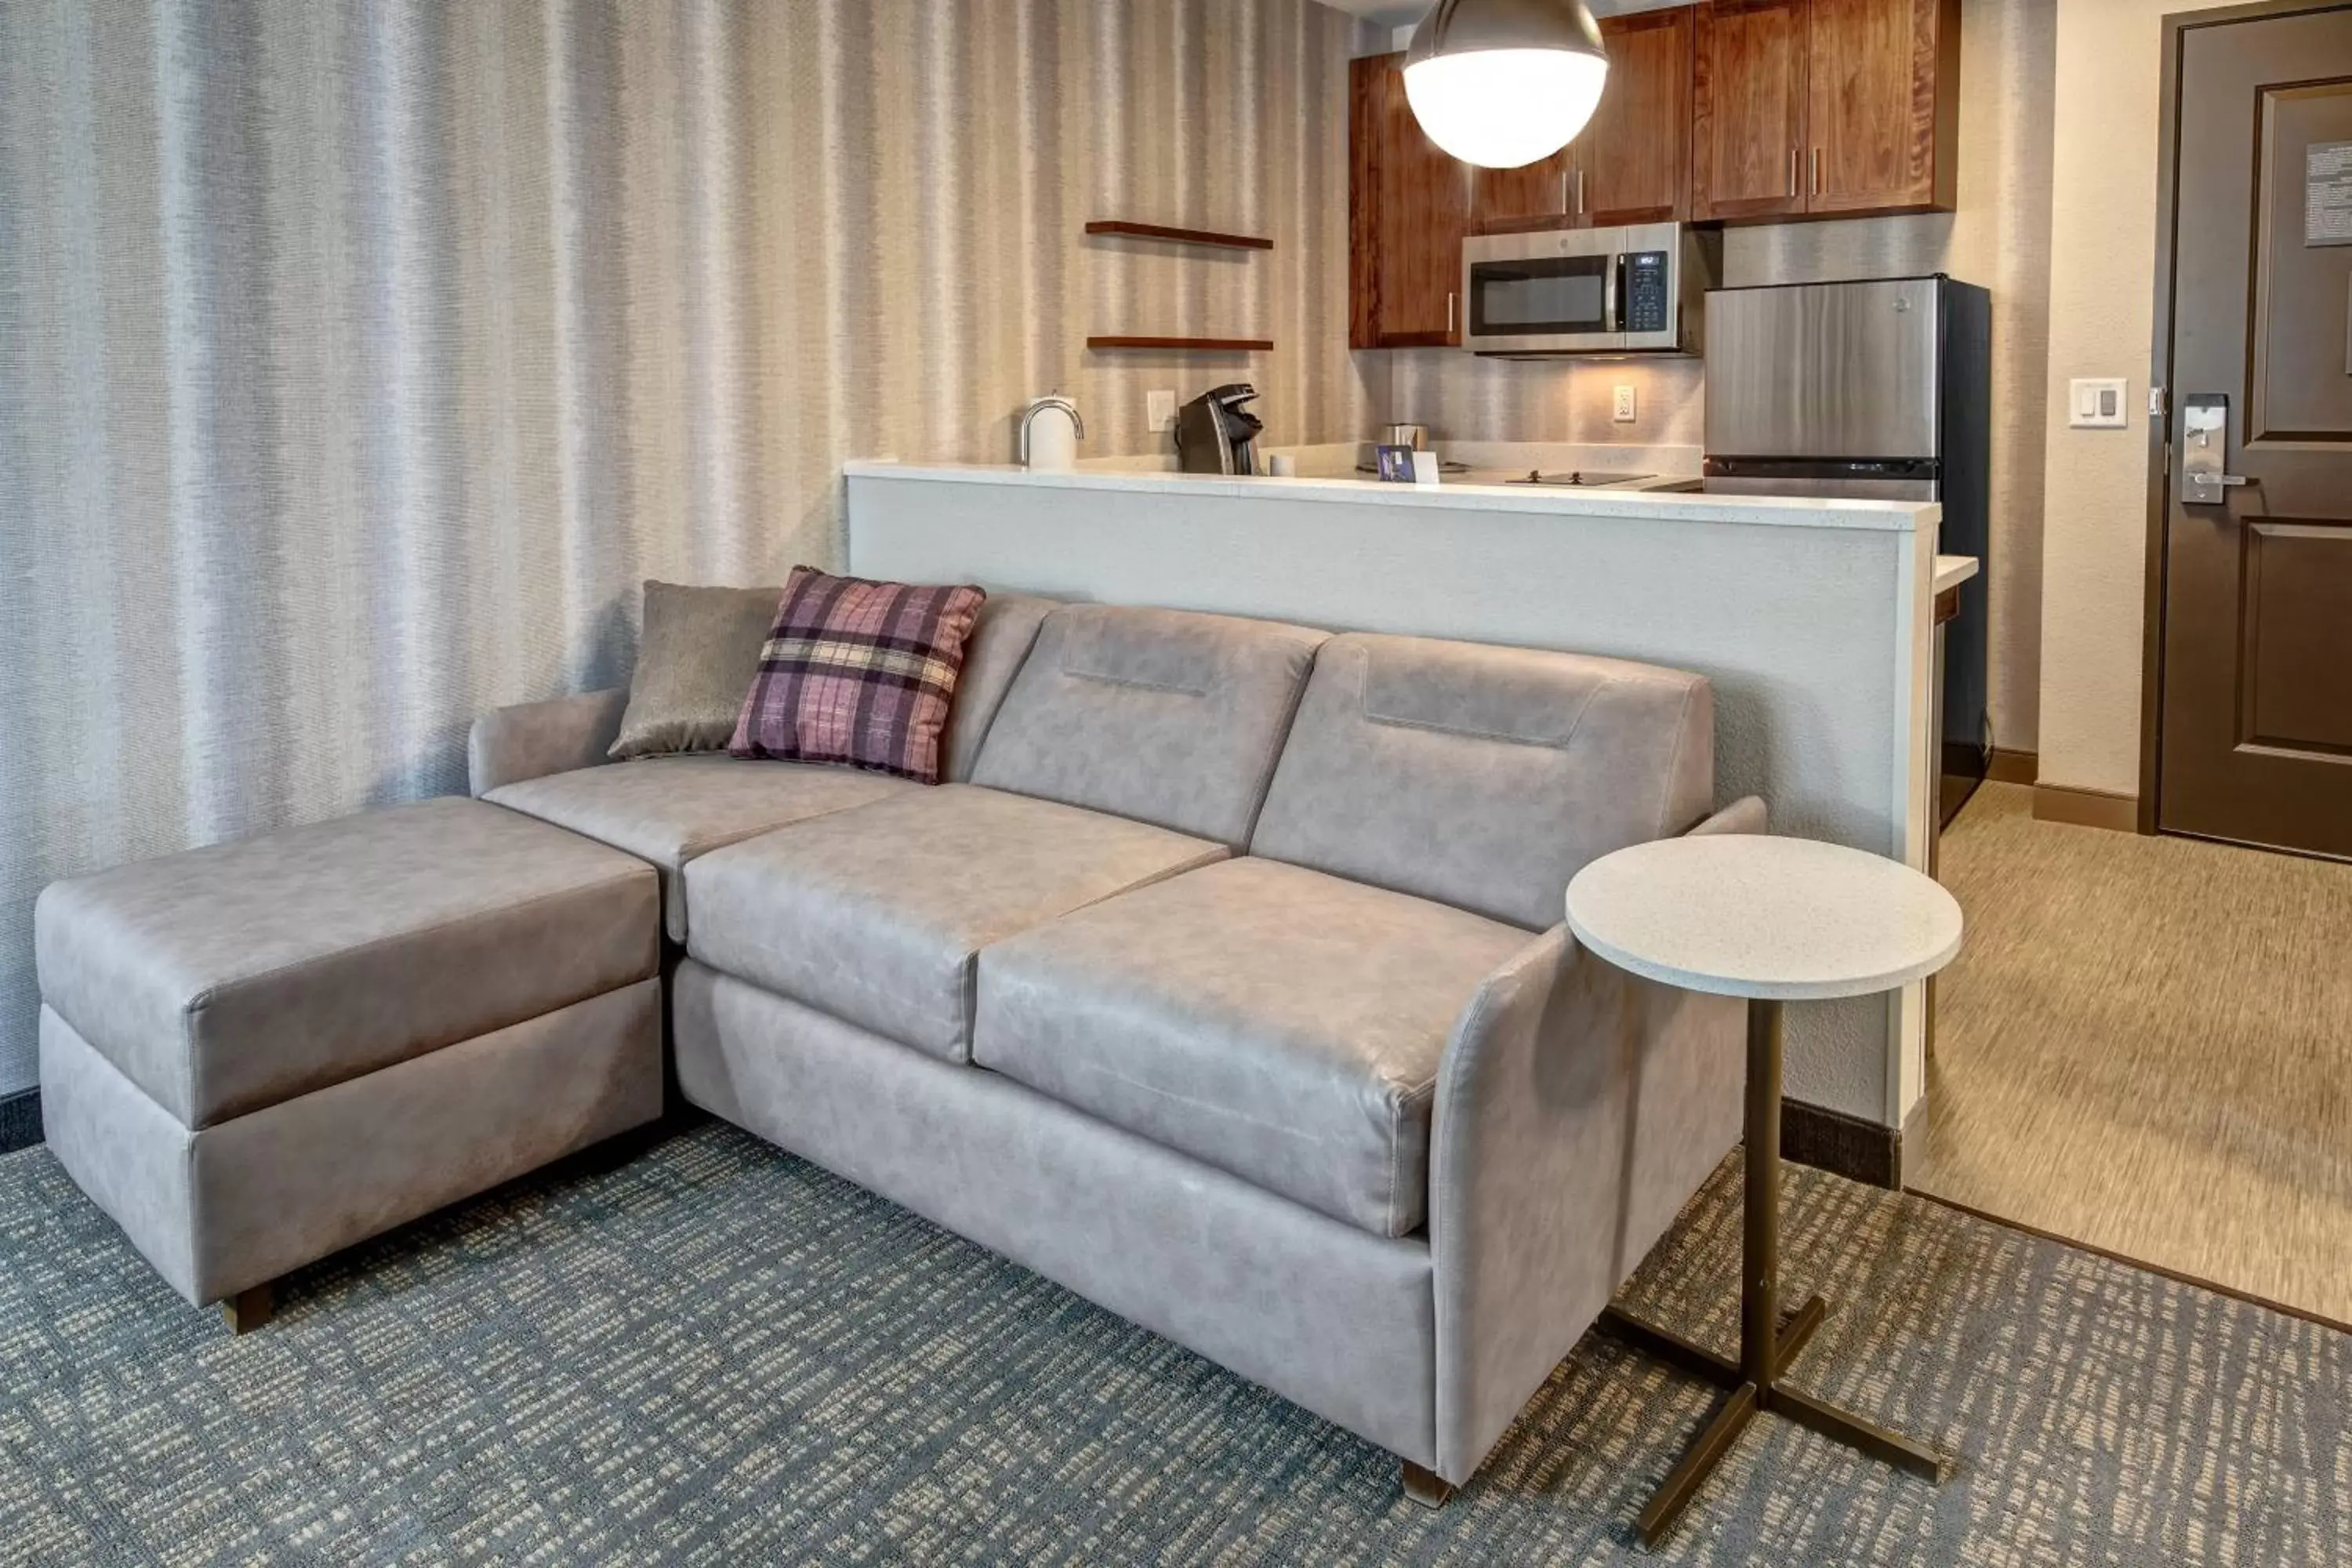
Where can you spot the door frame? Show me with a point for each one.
(2159, 431)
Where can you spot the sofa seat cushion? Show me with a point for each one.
(668, 810)
(228, 979)
(875, 915)
(1283, 1023)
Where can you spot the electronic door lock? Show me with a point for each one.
(2204, 448)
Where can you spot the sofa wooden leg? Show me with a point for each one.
(1423, 1486)
(249, 1310)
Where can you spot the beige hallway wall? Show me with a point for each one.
(357, 361)
(1998, 236)
(2101, 291)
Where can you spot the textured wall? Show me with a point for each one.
(357, 361)
(2102, 295)
(2000, 236)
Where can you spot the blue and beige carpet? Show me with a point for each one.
(716, 1353)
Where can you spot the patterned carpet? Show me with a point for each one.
(716, 1353)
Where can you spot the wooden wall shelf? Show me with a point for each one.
(1181, 236)
(1203, 345)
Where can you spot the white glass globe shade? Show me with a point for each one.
(1501, 109)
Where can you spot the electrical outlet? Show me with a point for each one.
(1159, 409)
(1623, 414)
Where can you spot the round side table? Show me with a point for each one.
(1774, 921)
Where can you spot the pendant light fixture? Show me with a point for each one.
(1502, 83)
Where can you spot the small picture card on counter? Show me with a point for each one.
(1396, 464)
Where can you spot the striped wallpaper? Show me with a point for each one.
(357, 361)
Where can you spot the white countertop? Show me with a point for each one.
(1883, 516)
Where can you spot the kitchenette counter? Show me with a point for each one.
(1952, 570)
(1457, 494)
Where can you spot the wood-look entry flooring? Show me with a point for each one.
(2145, 1046)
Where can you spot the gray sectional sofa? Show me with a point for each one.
(1224, 983)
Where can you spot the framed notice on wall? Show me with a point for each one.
(2328, 194)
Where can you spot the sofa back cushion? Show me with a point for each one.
(999, 644)
(1165, 716)
(1485, 777)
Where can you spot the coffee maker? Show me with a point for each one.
(1216, 434)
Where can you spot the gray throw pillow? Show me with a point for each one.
(698, 656)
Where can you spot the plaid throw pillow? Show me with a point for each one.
(859, 672)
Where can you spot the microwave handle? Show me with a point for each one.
(1613, 298)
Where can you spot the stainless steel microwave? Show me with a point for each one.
(1637, 290)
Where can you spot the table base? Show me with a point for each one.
(1768, 1342)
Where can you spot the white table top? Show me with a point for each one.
(1750, 915)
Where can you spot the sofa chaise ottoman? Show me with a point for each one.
(256, 1054)
(1224, 983)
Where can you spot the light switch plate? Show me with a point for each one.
(2095, 403)
(1623, 411)
(1159, 409)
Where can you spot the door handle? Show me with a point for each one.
(1449, 313)
(2204, 449)
(1579, 193)
(1792, 170)
(1817, 171)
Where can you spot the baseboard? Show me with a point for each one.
(1844, 1146)
(2014, 767)
(20, 1119)
(2086, 807)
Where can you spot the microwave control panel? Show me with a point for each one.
(1646, 307)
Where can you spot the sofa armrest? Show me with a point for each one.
(533, 739)
(1745, 814)
(1578, 1109)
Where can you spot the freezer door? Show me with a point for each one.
(1822, 370)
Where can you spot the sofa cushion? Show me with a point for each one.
(1282, 1024)
(1485, 777)
(875, 915)
(1161, 715)
(999, 644)
(668, 810)
(226, 979)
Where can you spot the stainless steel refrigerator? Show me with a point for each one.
(1877, 388)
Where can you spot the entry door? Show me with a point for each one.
(2254, 742)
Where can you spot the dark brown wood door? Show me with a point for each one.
(1634, 160)
(1409, 207)
(1747, 127)
(2254, 738)
(1879, 75)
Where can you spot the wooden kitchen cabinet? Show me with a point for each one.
(1726, 110)
(1824, 108)
(1748, 109)
(1634, 158)
(1409, 207)
(1632, 164)
(1882, 105)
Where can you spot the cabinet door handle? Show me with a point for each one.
(1449, 313)
(1579, 193)
(1817, 171)
(1792, 170)
(1565, 204)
